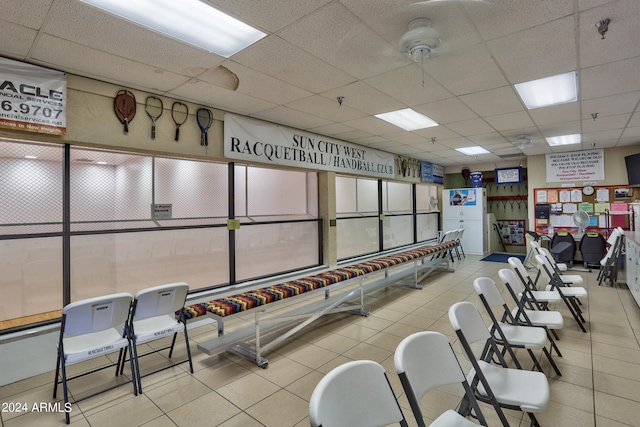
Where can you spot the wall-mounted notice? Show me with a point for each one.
(432, 173)
(575, 166)
(32, 98)
(257, 141)
(161, 211)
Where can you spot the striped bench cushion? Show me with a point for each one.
(245, 301)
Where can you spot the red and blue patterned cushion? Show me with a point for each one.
(247, 300)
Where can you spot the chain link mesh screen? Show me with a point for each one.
(30, 188)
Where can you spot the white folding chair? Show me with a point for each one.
(425, 361)
(568, 279)
(153, 316)
(610, 264)
(356, 393)
(524, 312)
(502, 387)
(507, 332)
(542, 298)
(92, 328)
(569, 294)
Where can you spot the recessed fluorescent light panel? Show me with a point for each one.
(407, 119)
(554, 90)
(191, 21)
(472, 151)
(564, 139)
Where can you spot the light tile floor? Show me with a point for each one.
(600, 384)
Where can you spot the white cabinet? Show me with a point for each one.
(466, 208)
(632, 263)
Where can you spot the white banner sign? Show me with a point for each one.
(575, 166)
(258, 141)
(32, 98)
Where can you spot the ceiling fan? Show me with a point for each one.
(522, 141)
(422, 40)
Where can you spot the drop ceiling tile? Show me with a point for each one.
(269, 15)
(494, 101)
(620, 41)
(635, 120)
(446, 111)
(438, 132)
(610, 79)
(16, 40)
(406, 138)
(611, 105)
(101, 65)
(491, 138)
(468, 127)
(456, 143)
(85, 25)
(405, 85)
(588, 4)
(353, 135)
(371, 141)
(256, 84)
(605, 123)
(510, 121)
(346, 42)
(215, 96)
(560, 129)
(363, 97)
(431, 148)
(467, 70)
(601, 137)
(407, 150)
(556, 114)
(293, 118)
(516, 15)
(325, 108)
(333, 129)
(282, 60)
(373, 125)
(538, 52)
(32, 16)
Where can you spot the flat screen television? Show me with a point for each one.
(633, 169)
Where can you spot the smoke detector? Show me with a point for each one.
(522, 141)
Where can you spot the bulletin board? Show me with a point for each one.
(608, 207)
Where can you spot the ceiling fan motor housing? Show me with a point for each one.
(420, 39)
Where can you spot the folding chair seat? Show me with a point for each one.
(356, 393)
(524, 312)
(507, 332)
(91, 328)
(153, 317)
(568, 279)
(502, 387)
(569, 294)
(542, 298)
(425, 361)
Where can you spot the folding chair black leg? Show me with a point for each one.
(186, 340)
(55, 383)
(534, 421)
(173, 342)
(64, 388)
(536, 364)
(553, 364)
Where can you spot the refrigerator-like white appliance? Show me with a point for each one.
(467, 208)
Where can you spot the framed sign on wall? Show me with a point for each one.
(508, 175)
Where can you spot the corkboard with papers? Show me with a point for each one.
(607, 206)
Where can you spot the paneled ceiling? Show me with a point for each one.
(318, 50)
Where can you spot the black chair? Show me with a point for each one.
(563, 247)
(593, 248)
